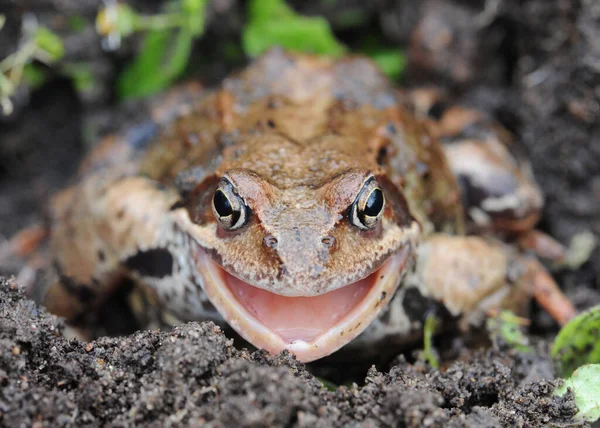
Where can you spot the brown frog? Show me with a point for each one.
(307, 203)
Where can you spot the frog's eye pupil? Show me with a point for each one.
(367, 209)
(222, 204)
(374, 203)
(229, 207)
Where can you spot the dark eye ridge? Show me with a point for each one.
(374, 203)
(222, 204)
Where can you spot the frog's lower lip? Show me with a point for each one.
(310, 327)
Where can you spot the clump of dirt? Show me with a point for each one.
(194, 375)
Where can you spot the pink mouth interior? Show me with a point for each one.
(299, 318)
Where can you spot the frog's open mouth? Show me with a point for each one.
(310, 327)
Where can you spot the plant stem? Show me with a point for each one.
(159, 22)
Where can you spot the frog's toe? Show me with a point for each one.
(547, 293)
(25, 242)
(543, 245)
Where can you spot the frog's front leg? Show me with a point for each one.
(107, 230)
(473, 276)
(498, 191)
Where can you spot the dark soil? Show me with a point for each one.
(534, 64)
(194, 375)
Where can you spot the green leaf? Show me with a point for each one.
(390, 61)
(33, 76)
(508, 326)
(304, 35)
(81, 74)
(162, 59)
(273, 23)
(585, 384)
(577, 342)
(136, 79)
(263, 11)
(194, 15)
(49, 43)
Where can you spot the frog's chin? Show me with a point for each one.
(309, 327)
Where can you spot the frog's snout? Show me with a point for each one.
(303, 257)
(328, 241)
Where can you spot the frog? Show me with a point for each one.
(309, 205)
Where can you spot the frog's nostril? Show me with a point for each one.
(270, 241)
(328, 241)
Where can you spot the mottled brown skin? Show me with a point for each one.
(499, 192)
(297, 137)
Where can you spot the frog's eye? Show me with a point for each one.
(368, 206)
(229, 208)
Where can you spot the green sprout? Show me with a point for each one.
(428, 354)
(39, 44)
(166, 47)
(118, 20)
(327, 384)
(81, 75)
(508, 327)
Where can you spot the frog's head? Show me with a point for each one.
(300, 264)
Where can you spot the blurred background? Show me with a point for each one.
(72, 71)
